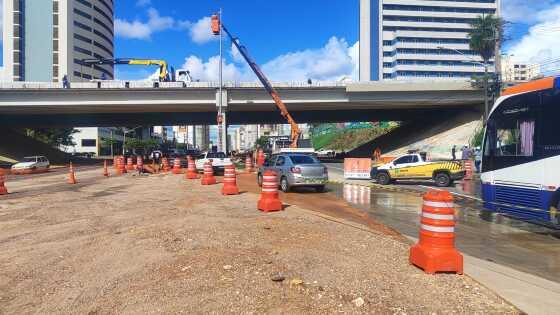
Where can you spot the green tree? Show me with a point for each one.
(486, 35)
(262, 142)
(53, 136)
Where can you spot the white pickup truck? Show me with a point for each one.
(219, 161)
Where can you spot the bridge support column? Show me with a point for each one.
(222, 106)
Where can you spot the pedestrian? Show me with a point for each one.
(65, 82)
(453, 152)
(477, 159)
(465, 153)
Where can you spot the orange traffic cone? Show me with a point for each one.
(248, 164)
(270, 201)
(435, 252)
(208, 177)
(140, 164)
(121, 168)
(116, 162)
(105, 170)
(230, 181)
(191, 170)
(468, 170)
(71, 176)
(3, 189)
(165, 163)
(177, 166)
(129, 164)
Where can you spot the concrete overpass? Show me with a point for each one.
(124, 103)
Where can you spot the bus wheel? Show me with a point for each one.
(554, 206)
(442, 180)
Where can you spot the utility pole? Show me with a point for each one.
(485, 90)
(220, 113)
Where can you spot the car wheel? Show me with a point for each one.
(320, 189)
(443, 180)
(284, 185)
(259, 180)
(383, 178)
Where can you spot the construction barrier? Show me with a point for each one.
(116, 162)
(270, 200)
(208, 176)
(129, 164)
(121, 168)
(3, 189)
(140, 164)
(71, 176)
(177, 166)
(469, 168)
(191, 169)
(230, 181)
(105, 170)
(357, 168)
(165, 163)
(435, 251)
(248, 164)
(260, 158)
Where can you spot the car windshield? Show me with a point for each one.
(304, 159)
(29, 159)
(216, 155)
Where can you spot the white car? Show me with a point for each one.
(31, 165)
(219, 161)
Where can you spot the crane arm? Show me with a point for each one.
(295, 131)
(163, 68)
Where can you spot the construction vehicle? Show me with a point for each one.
(217, 26)
(164, 74)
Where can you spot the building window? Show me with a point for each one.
(82, 38)
(82, 26)
(89, 142)
(82, 13)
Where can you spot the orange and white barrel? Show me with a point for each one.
(469, 169)
(270, 200)
(139, 163)
(3, 189)
(177, 166)
(248, 164)
(191, 169)
(208, 175)
(230, 181)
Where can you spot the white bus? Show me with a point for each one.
(521, 153)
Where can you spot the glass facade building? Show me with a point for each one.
(44, 40)
(420, 39)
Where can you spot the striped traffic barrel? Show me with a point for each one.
(230, 181)
(269, 200)
(208, 175)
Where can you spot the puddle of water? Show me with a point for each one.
(479, 233)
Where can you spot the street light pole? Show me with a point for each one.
(220, 119)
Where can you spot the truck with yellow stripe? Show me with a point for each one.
(415, 166)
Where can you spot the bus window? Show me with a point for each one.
(549, 141)
(515, 138)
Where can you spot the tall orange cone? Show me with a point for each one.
(191, 170)
(3, 189)
(208, 177)
(71, 176)
(260, 158)
(177, 166)
(248, 164)
(121, 168)
(435, 251)
(230, 181)
(116, 162)
(129, 164)
(165, 163)
(140, 164)
(270, 201)
(105, 170)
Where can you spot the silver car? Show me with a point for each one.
(296, 170)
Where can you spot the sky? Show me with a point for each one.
(293, 40)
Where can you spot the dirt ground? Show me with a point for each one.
(161, 244)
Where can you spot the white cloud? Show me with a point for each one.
(144, 30)
(201, 31)
(143, 3)
(524, 11)
(335, 61)
(541, 42)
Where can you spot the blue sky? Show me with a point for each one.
(291, 39)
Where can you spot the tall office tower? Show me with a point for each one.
(420, 39)
(44, 40)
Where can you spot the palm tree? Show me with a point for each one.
(485, 36)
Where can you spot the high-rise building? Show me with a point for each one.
(44, 40)
(514, 71)
(419, 39)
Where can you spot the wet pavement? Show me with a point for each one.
(482, 234)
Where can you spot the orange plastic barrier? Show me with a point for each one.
(121, 168)
(177, 166)
(230, 181)
(191, 169)
(3, 189)
(248, 164)
(260, 158)
(116, 162)
(71, 176)
(208, 177)
(435, 251)
(270, 200)
(129, 164)
(165, 163)
(105, 170)
(140, 163)
(469, 168)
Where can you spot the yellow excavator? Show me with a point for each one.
(165, 75)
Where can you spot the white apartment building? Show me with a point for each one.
(93, 140)
(246, 137)
(44, 40)
(419, 39)
(517, 72)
